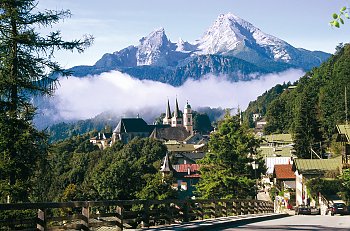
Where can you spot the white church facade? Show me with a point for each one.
(179, 118)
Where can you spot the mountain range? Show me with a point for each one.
(231, 46)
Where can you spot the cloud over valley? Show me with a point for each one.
(82, 98)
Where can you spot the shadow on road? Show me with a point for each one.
(286, 227)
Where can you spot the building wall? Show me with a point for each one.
(186, 187)
(167, 121)
(176, 122)
(270, 162)
(300, 189)
(188, 120)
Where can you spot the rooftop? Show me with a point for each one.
(185, 167)
(196, 139)
(181, 147)
(191, 155)
(279, 138)
(284, 171)
(316, 166)
(132, 125)
(267, 151)
(344, 130)
(170, 133)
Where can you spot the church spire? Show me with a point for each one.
(168, 113)
(177, 110)
(177, 119)
(166, 166)
(167, 118)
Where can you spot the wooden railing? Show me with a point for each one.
(88, 215)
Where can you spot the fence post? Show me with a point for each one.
(216, 209)
(212, 209)
(120, 211)
(244, 207)
(264, 208)
(250, 207)
(234, 208)
(268, 207)
(239, 208)
(86, 214)
(41, 221)
(271, 207)
(256, 209)
(259, 207)
(224, 209)
(145, 215)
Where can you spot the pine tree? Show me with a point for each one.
(26, 69)
(226, 170)
(307, 129)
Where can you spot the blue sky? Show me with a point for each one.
(116, 24)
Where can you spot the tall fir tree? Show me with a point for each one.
(226, 170)
(26, 68)
(307, 132)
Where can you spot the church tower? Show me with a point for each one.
(176, 120)
(167, 118)
(166, 167)
(187, 118)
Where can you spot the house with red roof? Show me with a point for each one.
(186, 175)
(284, 176)
(284, 179)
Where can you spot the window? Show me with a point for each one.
(189, 120)
(179, 122)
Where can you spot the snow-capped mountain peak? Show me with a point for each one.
(184, 46)
(154, 36)
(229, 31)
(180, 45)
(222, 36)
(232, 20)
(151, 48)
(236, 45)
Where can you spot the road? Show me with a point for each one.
(301, 222)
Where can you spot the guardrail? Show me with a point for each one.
(88, 215)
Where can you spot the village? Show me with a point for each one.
(256, 138)
(286, 174)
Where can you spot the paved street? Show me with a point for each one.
(301, 222)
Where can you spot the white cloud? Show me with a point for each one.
(82, 98)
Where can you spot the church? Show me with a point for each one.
(179, 119)
(177, 126)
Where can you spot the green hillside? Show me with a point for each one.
(311, 109)
(262, 102)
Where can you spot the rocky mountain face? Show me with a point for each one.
(231, 46)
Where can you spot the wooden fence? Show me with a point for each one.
(89, 215)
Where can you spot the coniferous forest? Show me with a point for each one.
(311, 109)
(34, 170)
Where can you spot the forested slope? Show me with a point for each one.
(311, 110)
